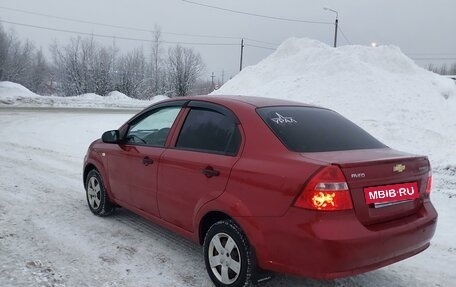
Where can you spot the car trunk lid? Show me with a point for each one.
(381, 170)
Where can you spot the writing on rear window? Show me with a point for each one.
(310, 129)
(283, 120)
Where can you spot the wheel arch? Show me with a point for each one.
(87, 169)
(94, 164)
(250, 228)
(208, 220)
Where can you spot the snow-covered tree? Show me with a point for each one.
(184, 66)
(157, 70)
(39, 80)
(82, 66)
(132, 75)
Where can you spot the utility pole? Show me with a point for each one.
(336, 24)
(212, 79)
(242, 53)
(113, 59)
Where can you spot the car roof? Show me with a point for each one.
(248, 100)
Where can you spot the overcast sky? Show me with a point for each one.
(421, 28)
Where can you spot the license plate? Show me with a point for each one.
(391, 193)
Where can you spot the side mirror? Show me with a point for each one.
(110, 137)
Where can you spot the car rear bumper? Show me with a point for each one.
(336, 244)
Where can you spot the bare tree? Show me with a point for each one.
(442, 69)
(40, 74)
(83, 66)
(102, 71)
(452, 70)
(15, 58)
(157, 63)
(4, 46)
(68, 71)
(184, 68)
(132, 75)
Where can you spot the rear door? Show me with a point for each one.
(197, 168)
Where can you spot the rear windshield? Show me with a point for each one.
(310, 129)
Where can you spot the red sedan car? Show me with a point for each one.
(265, 185)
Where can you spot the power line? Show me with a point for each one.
(124, 27)
(76, 20)
(343, 35)
(257, 15)
(261, 47)
(190, 35)
(116, 37)
(263, 42)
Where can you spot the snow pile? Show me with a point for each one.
(12, 94)
(380, 89)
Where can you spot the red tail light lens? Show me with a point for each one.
(327, 191)
(429, 183)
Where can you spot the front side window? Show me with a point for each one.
(209, 131)
(309, 129)
(152, 129)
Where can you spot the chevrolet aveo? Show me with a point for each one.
(265, 185)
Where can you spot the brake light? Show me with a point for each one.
(429, 183)
(327, 191)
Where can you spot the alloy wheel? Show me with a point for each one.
(94, 192)
(224, 258)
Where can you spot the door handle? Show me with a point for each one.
(210, 172)
(147, 160)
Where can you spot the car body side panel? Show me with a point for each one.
(271, 191)
(267, 172)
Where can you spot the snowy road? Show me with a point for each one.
(48, 237)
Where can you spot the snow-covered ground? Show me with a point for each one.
(48, 237)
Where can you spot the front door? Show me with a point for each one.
(133, 165)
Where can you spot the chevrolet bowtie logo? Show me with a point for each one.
(399, 168)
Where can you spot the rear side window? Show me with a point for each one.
(209, 131)
(309, 129)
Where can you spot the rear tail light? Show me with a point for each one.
(327, 191)
(429, 183)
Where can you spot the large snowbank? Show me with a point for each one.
(379, 88)
(12, 94)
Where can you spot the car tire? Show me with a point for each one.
(228, 256)
(97, 197)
